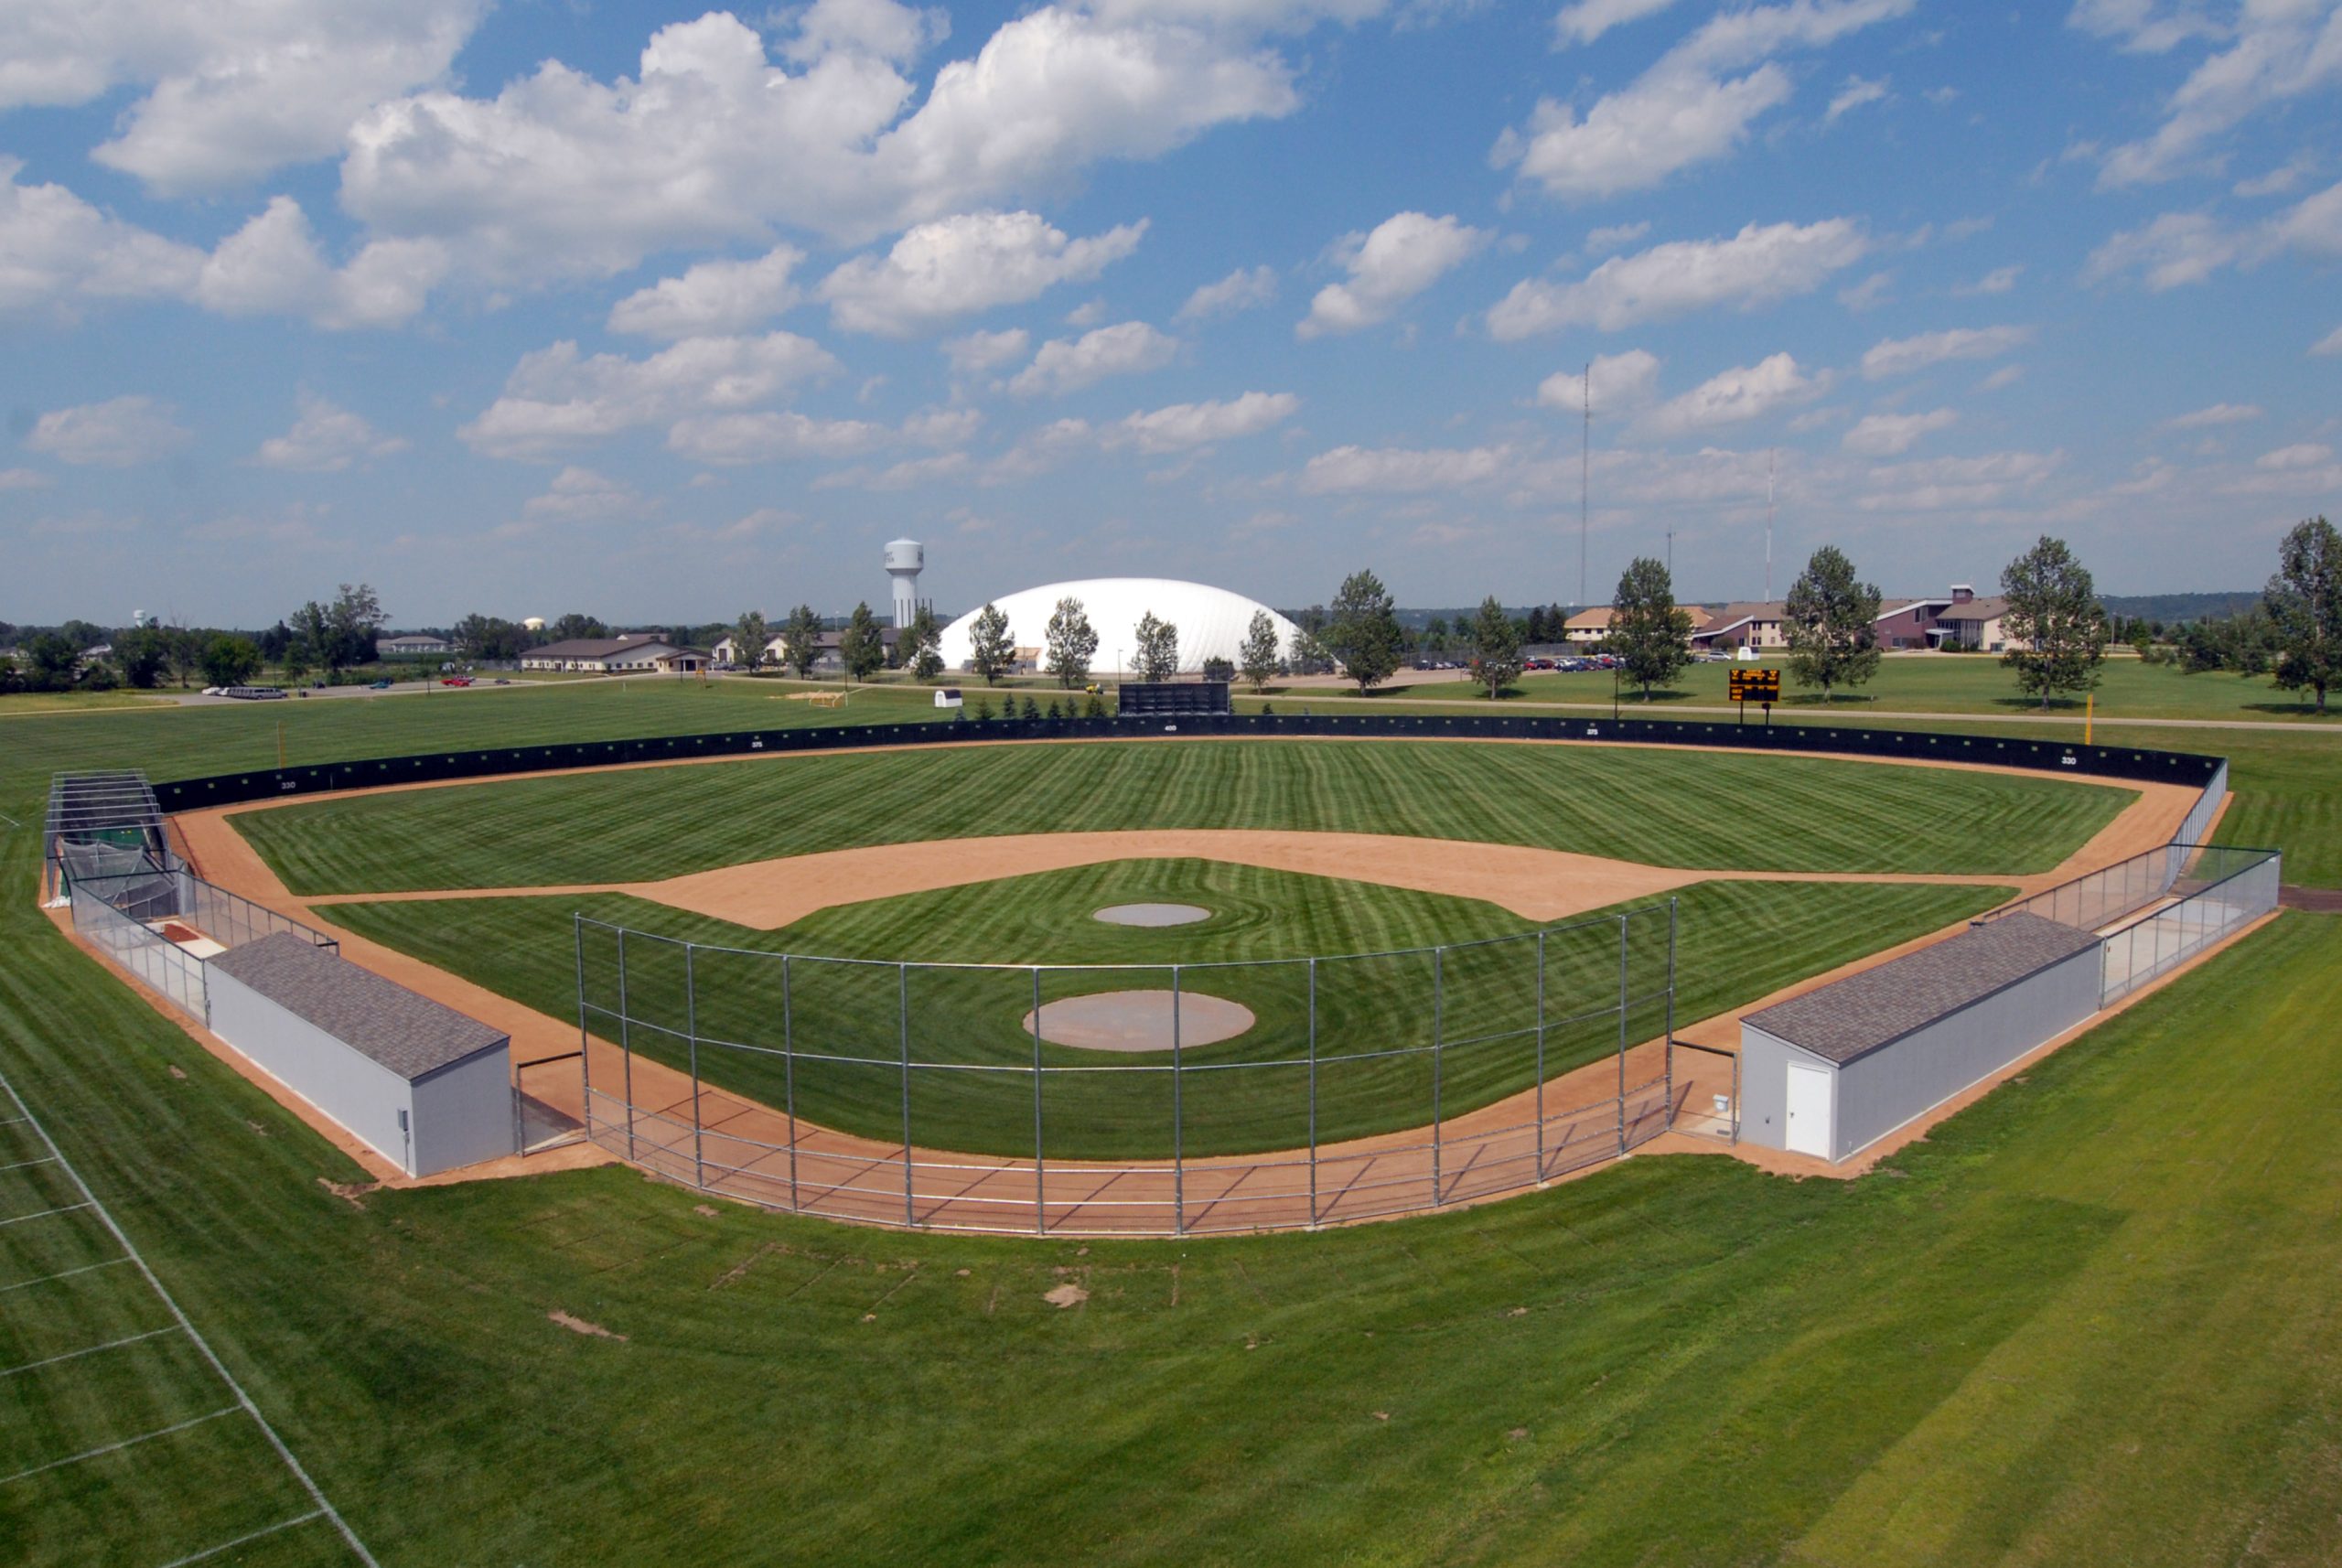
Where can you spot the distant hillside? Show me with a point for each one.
(2173, 608)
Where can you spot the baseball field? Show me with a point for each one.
(2018, 1337)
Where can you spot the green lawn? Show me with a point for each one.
(1738, 941)
(23, 703)
(1972, 683)
(1709, 811)
(2090, 1320)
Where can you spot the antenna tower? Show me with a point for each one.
(1584, 469)
(1770, 458)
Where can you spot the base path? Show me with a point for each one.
(743, 1148)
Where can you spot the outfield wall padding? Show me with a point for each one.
(2127, 763)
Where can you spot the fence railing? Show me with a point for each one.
(147, 918)
(168, 969)
(940, 1095)
(232, 919)
(2220, 891)
(2093, 902)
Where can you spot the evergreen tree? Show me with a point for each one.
(2304, 606)
(1363, 631)
(2056, 628)
(919, 645)
(1649, 635)
(800, 640)
(1158, 649)
(1257, 655)
(1831, 619)
(1073, 644)
(991, 654)
(1496, 647)
(863, 647)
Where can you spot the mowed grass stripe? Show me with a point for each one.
(1737, 942)
(1722, 811)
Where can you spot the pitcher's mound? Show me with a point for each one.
(1151, 914)
(1139, 1020)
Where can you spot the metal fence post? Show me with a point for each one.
(585, 1051)
(903, 1028)
(1040, 1178)
(1438, 1017)
(1178, 1142)
(1313, 1092)
(626, 1045)
(1541, 1054)
(690, 1026)
(788, 1081)
(1670, 1010)
(1622, 1034)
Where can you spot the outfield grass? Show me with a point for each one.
(24, 704)
(1738, 941)
(1705, 811)
(1968, 683)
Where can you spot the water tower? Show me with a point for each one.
(905, 557)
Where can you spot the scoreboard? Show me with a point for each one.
(1754, 685)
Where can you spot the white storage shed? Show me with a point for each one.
(427, 1087)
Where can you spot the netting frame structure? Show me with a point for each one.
(647, 1096)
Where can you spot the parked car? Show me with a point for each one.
(503, 681)
(215, 691)
(381, 685)
(455, 681)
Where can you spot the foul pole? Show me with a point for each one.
(1585, 470)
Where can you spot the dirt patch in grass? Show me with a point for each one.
(579, 1325)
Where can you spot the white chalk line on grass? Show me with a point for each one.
(211, 1551)
(90, 1350)
(243, 1401)
(20, 1165)
(118, 1447)
(67, 1208)
(63, 1274)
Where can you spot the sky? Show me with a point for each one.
(665, 314)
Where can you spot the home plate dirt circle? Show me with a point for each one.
(1138, 1020)
(1151, 914)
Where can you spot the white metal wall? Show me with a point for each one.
(351, 1088)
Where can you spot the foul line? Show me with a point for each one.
(243, 1539)
(243, 1400)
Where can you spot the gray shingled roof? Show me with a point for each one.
(411, 1035)
(1856, 1016)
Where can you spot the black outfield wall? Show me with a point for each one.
(2047, 757)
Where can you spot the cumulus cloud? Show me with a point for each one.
(961, 265)
(769, 437)
(1587, 20)
(1856, 93)
(580, 494)
(1736, 396)
(326, 439)
(1688, 108)
(2000, 280)
(2329, 344)
(711, 143)
(1183, 427)
(1904, 356)
(1614, 381)
(233, 90)
(2218, 414)
(1405, 255)
(117, 433)
(24, 480)
(1239, 290)
(557, 397)
(2181, 248)
(57, 253)
(1941, 483)
(1756, 266)
(1602, 242)
(713, 298)
(1401, 470)
(2303, 454)
(2276, 52)
(273, 266)
(981, 351)
(1065, 365)
(1891, 435)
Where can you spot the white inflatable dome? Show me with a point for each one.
(1211, 621)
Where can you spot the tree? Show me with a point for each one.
(1157, 657)
(2057, 631)
(1496, 647)
(1435, 635)
(919, 645)
(801, 639)
(862, 648)
(355, 617)
(2304, 604)
(1650, 636)
(749, 634)
(140, 652)
(51, 661)
(1220, 669)
(1073, 644)
(1363, 631)
(577, 627)
(183, 651)
(991, 654)
(230, 660)
(1832, 620)
(1257, 654)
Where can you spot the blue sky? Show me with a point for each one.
(662, 313)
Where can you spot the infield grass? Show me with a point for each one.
(1708, 811)
(1377, 1016)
